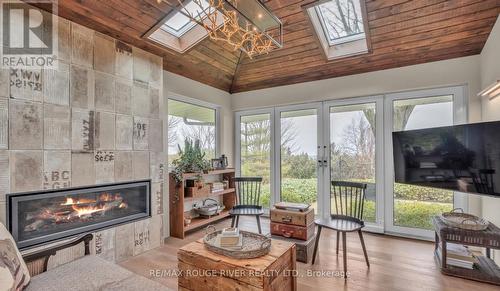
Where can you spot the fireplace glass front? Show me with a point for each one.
(36, 218)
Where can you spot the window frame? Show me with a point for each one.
(345, 47)
(200, 103)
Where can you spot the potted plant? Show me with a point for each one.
(191, 160)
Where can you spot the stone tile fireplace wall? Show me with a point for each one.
(96, 119)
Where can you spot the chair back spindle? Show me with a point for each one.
(248, 190)
(348, 199)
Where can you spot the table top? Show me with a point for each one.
(196, 249)
(490, 237)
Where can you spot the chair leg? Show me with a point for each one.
(364, 247)
(258, 223)
(237, 220)
(338, 238)
(316, 244)
(344, 250)
(233, 220)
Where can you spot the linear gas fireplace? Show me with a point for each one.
(38, 217)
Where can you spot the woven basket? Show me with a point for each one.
(254, 245)
(463, 220)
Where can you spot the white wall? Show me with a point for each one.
(436, 74)
(173, 83)
(490, 72)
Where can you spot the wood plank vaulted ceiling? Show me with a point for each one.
(402, 32)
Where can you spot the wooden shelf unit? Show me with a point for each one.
(177, 199)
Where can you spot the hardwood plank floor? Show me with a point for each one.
(396, 263)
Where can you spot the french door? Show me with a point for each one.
(409, 208)
(301, 149)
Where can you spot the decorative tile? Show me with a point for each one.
(82, 130)
(3, 212)
(56, 169)
(56, 127)
(4, 82)
(56, 85)
(82, 48)
(156, 70)
(123, 96)
(157, 198)
(104, 166)
(141, 133)
(26, 170)
(142, 69)
(158, 166)
(141, 100)
(124, 241)
(82, 87)
(64, 40)
(123, 166)
(105, 244)
(124, 132)
(104, 53)
(104, 92)
(104, 131)
(154, 99)
(124, 60)
(155, 135)
(26, 84)
(4, 174)
(155, 231)
(4, 123)
(82, 169)
(142, 240)
(140, 163)
(25, 125)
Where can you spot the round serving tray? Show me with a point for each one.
(254, 245)
(462, 220)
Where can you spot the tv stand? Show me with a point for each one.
(485, 270)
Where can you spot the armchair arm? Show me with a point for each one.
(47, 253)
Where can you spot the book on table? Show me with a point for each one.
(458, 255)
(299, 207)
(230, 242)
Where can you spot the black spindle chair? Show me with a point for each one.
(248, 191)
(483, 180)
(348, 203)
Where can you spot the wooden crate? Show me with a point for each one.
(293, 217)
(197, 192)
(204, 270)
(292, 231)
(304, 248)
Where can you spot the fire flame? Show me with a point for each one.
(87, 210)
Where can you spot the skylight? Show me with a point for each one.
(341, 20)
(340, 27)
(178, 24)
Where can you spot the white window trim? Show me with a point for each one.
(341, 48)
(383, 153)
(198, 102)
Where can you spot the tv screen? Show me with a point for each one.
(464, 158)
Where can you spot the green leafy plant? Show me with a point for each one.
(191, 160)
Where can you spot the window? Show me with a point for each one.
(342, 21)
(176, 31)
(255, 151)
(340, 26)
(178, 24)
(193, 122)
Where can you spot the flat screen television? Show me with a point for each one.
(463, 158)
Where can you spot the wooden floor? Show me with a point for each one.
(396, 264)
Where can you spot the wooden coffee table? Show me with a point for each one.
(200, 269)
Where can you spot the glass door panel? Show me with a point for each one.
(255, 151)
(298, 156)
(352, 150)
(414, 206)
